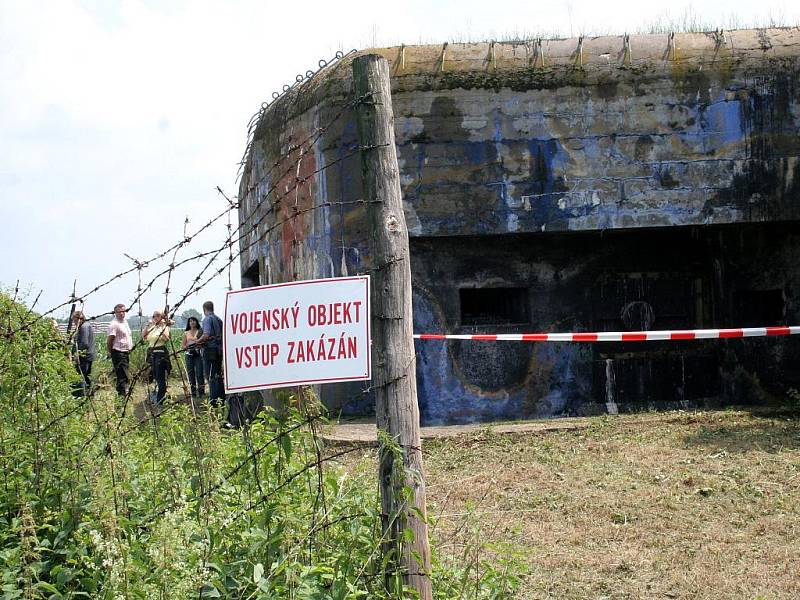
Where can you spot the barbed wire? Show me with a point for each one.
(103, 435)
(300, 80)
(265, 209)
(231, 258)
(107, 448)
(240, 233)
(137, 375)
(139, 265)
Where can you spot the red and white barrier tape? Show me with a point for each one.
(617, 336)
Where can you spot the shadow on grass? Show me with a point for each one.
(763, 429)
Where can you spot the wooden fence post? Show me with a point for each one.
(401, 480)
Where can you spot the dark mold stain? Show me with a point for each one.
(644, 144)
(693, 83)
(667, 180)
(606, 89)
(765, 188)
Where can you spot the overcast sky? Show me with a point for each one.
(119, 119)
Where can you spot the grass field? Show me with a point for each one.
(700, 505)
(673, 505)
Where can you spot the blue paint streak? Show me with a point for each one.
(322, 217)
(477, 153)
(718, 124)
(546, 158)
(444, 399)
(722, 122)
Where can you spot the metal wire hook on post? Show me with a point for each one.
(626, 50)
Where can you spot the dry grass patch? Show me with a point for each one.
(702, 505)
(677, 505)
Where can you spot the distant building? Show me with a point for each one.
(98, 327)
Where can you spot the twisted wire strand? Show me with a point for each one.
(187, 239)
(209, 272)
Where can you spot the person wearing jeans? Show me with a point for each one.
(156, 334)
(84, 353)
(194, 362)
(210, 343)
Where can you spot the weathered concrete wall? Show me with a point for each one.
(510, 143)
(694, 140)
(581, 282)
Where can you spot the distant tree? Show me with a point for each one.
(189, 313)
(135, 322)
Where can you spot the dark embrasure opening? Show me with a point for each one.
(494, 306)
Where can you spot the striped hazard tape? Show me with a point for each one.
(617, 336)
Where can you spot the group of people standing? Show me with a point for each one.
(202, 345)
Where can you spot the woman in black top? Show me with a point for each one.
(194, 362)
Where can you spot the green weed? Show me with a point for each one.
(97, 502)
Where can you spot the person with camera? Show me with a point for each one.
(156, 334)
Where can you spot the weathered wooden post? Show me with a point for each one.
(393, 373)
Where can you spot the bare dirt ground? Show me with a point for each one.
(701, 505)
(365, 432)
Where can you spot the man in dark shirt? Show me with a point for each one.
(210, 344)
(84, 353)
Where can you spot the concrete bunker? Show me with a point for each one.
(601, 192)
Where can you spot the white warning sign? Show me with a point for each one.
(296, 333)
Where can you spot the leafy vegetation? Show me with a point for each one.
(101, 501)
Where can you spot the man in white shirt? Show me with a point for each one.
(119, 344)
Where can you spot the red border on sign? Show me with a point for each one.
(368, 375)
